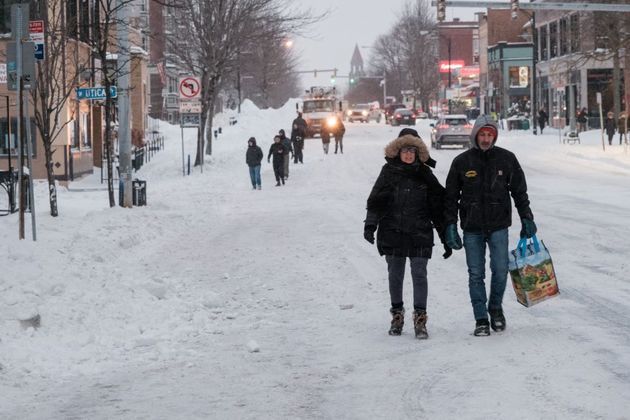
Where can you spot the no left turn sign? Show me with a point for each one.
(189, 87)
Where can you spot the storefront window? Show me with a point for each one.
(519, 76)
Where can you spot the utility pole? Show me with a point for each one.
(450, 107)
(534, 104)
(124, 131)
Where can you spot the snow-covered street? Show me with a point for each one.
(215, 301)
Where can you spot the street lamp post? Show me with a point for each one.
(449, 75)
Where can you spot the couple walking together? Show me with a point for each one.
(407, 202)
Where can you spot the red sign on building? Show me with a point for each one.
(455, 64)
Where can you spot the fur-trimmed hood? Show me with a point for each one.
(392, 150)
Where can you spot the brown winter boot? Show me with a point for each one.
(398, 320)
(420, 324)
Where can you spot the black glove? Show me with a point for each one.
(447, 252)
(528, 229)
(368, 233)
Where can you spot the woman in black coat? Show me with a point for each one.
(405, 205)
(542, 119)
(610, 125)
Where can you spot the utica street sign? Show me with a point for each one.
(96, 93)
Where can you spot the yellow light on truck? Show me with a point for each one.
(331, 121)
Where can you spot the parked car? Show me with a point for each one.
(403, 116)
(389, 111)
(451, 130)
(363, 113)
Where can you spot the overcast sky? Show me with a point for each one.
(350, 22)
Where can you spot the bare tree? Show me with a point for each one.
(387, 60)
(57, 76)
(268, 72)
(415, 34)
(210, 35)
(610, 35)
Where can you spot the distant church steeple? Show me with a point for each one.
(356, 63)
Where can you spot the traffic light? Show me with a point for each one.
(514, 7)
(441, 10)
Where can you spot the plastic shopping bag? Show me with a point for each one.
(532, 272)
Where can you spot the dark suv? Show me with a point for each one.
(389, 111)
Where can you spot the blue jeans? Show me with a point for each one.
(475, 246)
(254, 174)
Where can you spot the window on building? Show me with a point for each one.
(71, 18)
(519, 76)
(542, 39)
(4, 137)
(564, 36)
(553, 40)
(574, 24)
(5, 15)
(84, 20)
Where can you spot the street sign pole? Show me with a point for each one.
(17, 14)
(29, 156)
(124, 131)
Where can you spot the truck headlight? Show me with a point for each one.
(365, 113)
(331, 122)
(348, 113)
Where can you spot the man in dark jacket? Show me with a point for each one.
(287, 157)
(405, 204)
(479, 184)
(340, 130)
(278, 151)
(543, 118)
(253, 157)
(298, 133)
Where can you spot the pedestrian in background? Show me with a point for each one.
(405, 205)
(253, 158)
(298, 133)
(610, 126)
(287, 157)
(581, 120)
(622, 128)
(478, 187)
(278, 151)
(340, 130)
(543, 118)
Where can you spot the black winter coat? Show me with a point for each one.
(479, 185)
(406, 203)
(278, 150)
(298, 129)
(253, 156)
(610, 125)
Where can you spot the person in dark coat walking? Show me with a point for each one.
(610, 125)
(479, 185)
(582, 119)
(287, 157)
(405, 205)
(278, 151)
(298, 133)
(253, 158)
(543, 118)
(340, 130)
(622, 128)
